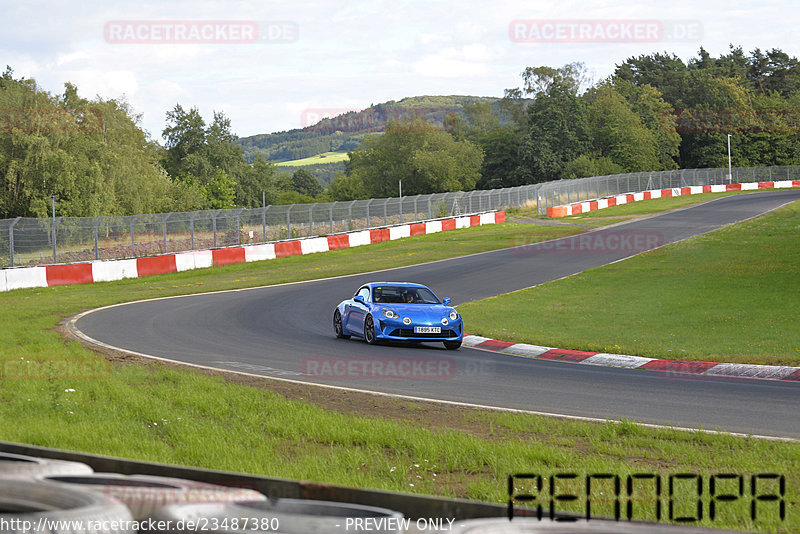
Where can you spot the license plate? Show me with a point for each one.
(427, 329)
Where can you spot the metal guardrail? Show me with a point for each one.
(31, 241)
(568, 191)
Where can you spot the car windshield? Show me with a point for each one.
(404, 294)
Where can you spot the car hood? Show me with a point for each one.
(432, 312)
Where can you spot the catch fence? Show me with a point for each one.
(28, 241)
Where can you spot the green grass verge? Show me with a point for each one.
(724, 296)
(326, 157)
(158, 413)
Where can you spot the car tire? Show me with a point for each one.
(452, 345)
(369, 330)
(144, 494)
(21, 466)
(337, 325)
(46, 504)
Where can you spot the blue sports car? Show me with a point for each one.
(398, 311)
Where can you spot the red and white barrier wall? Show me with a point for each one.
(105, 271)
(591, 205)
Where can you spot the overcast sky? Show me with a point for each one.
(271, 66)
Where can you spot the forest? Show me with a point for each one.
(655, 112)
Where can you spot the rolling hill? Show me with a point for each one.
(346, 132)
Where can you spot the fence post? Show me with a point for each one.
(191, 230)
(133, 240)
(368, 203)
(310, 220)
(289, 221)
(11, 239)
(264, 222)
(350, 214)
(430, 211)
(214, 226)
(385, 218)
(164, 225)
(416, 213)
(94, 231)
(331, 215)
(55, 250)
(239, 228)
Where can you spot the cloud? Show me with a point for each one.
(346, 55)
(465, 62)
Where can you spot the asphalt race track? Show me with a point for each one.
(285, 331)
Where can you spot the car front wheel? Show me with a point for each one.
(369, 330)
(337, 325)
(452, 345)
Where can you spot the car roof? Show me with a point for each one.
(406, 284)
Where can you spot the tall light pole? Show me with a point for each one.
(730, 175)
(400, 183)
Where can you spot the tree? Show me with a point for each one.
(91, 154)
(774, 71)
(206, 156)
(617, 133)
(306, 183)
(185, 135)
(557, 132)
(259, 177)
(595, 165)
(426, 159)
(539, 80)
(220, 190)
(667, 73)
(657, 116)
(513, 104)
(347, 187)
(714, 107)
(500, 166)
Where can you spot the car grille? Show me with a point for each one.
(409, 332)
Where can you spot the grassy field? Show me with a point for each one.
(152, 411)
(325, 157)
(724, 296)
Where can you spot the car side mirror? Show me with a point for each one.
(359, 298)
(446, 301)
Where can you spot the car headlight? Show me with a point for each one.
(453, 315)
(406, 320)
(444, 321)
(390, 314)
